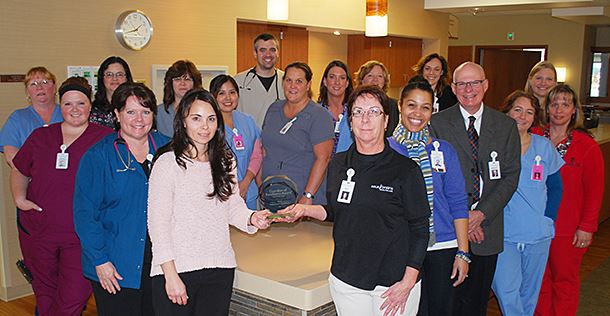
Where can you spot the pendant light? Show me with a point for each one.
(376, 18)
(277, 10)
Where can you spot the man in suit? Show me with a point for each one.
(262, 85)
(489, 149)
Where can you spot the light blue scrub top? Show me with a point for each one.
(21, 123)
(246, 127)
(165, 120)
(524, 220)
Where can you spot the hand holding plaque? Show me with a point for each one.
(277, 193)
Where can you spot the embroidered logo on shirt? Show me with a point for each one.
(382, 188)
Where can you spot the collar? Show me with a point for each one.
(478, 115)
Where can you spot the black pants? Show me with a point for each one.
(472, 296)
(209, 292)
(127, 302)
(437, 289)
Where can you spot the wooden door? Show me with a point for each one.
(506, 70)
(293, 43)
(458, 55)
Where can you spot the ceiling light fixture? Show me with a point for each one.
(277, 10)
(376, 23)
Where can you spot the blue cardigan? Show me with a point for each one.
(450, 199)
(110, 209)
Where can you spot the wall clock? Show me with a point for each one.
(133, 29)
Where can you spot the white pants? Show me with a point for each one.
(352, 301)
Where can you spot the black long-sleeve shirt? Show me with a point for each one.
(385, 227)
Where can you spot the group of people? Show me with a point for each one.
(435, 197)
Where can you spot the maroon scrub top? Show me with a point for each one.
(50, 188)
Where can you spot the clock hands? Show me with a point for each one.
(135, 29)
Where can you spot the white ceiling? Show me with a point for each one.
(589, 12)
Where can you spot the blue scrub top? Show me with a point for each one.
(524, 220)
(21, 123)
(165, 120)
(111, 207)
(246, 127)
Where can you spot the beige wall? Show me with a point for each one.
(565, 39)
(323, 48)
(61, 33)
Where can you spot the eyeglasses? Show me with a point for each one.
(475, 84)
(371, 112)
(182, 79)
(42, 83)
(118, 75)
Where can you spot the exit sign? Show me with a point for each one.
(510, 36)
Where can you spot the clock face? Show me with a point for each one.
(133, 29)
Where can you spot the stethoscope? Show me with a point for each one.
(127, 165)
(252, 72)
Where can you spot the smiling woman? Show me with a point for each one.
(43, 193)
(298, 136)
(377, 201)
(193, 192)
(241, 134)
(447, 261)
(181, 77)
(434, 68)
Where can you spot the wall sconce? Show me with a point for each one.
(277, 10)
(561, 74)
(376, 18)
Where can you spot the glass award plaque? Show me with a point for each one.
(277, 193)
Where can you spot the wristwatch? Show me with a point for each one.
(308, 195)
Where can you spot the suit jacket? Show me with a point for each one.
(498, 133)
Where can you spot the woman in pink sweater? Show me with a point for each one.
(193, 198)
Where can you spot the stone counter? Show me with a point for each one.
(283, 270)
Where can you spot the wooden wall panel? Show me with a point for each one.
(293, 43)
(457, 55)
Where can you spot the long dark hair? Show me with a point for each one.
(101, 102)
(219, 154)
(323, 98)
(220, 80)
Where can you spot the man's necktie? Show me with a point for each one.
(473, 139)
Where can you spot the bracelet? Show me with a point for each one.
(250, 219)
(463, 255)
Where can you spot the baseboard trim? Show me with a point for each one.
(14, 292)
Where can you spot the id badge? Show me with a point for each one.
(238, 141)
(537, 170)
(288, 125)
(338, 123)
(347, 188)
(62, 161)
(494, 167)
(437, 158)
(62, 158)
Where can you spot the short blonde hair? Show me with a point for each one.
(39, 70)
(367, 67)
